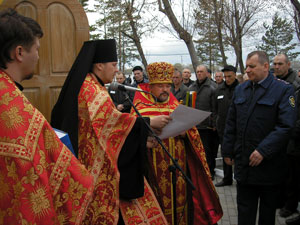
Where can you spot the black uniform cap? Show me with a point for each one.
(229, 68)
(137, 68)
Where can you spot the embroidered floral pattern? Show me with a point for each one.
(36, 169)
(50, 143)
(12, 118)
(40, 204)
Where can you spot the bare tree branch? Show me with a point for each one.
(296, 3)
(182, 33)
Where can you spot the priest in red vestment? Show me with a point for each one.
(111, 144)
(41, 181)
(200, 206)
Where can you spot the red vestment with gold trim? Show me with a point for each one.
(41, 182)
(102, 133)
(207, 208)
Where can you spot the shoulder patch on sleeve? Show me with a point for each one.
(292, 101)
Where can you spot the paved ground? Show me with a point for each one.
(227, 196)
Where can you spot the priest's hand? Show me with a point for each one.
(120, 107)
(151, 142)
(157, 131)
(159, 122)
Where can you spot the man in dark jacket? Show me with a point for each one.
(219, 78)
(186, 76)
(139, 76)
(118, 96)
(224, 95)
(178, 88)
(283, 71)
(257, 129)
(205, 101)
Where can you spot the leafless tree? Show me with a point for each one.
(296, 16)
(134, 35)
(296, 3)
(180, 28)
(292, 9)
(215, 11)
(239, 20)
(218, 15)
(125, 21)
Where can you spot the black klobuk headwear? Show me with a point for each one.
(64, 115)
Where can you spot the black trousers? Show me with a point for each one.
(227, 169)
(249, 197)
(210, 141)
(292, 191)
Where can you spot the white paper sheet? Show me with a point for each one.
(183, 118)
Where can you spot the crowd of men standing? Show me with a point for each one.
(216, 96)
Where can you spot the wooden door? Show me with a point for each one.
(65, 28)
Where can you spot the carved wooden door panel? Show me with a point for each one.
(65, 28)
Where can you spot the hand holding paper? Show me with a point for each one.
(183, 118)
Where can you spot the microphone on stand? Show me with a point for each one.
(117, 86)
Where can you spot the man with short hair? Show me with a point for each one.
(118, 96)
(257, 129)
(219, 78)
(205, 98)
(112, 145)
(138, 76)
(200, 206)
(224, 95)
(283, 71)
(120, 77)
(186, 77)
(178, 88)
(41, 180)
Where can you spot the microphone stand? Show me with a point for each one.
(173, 167)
